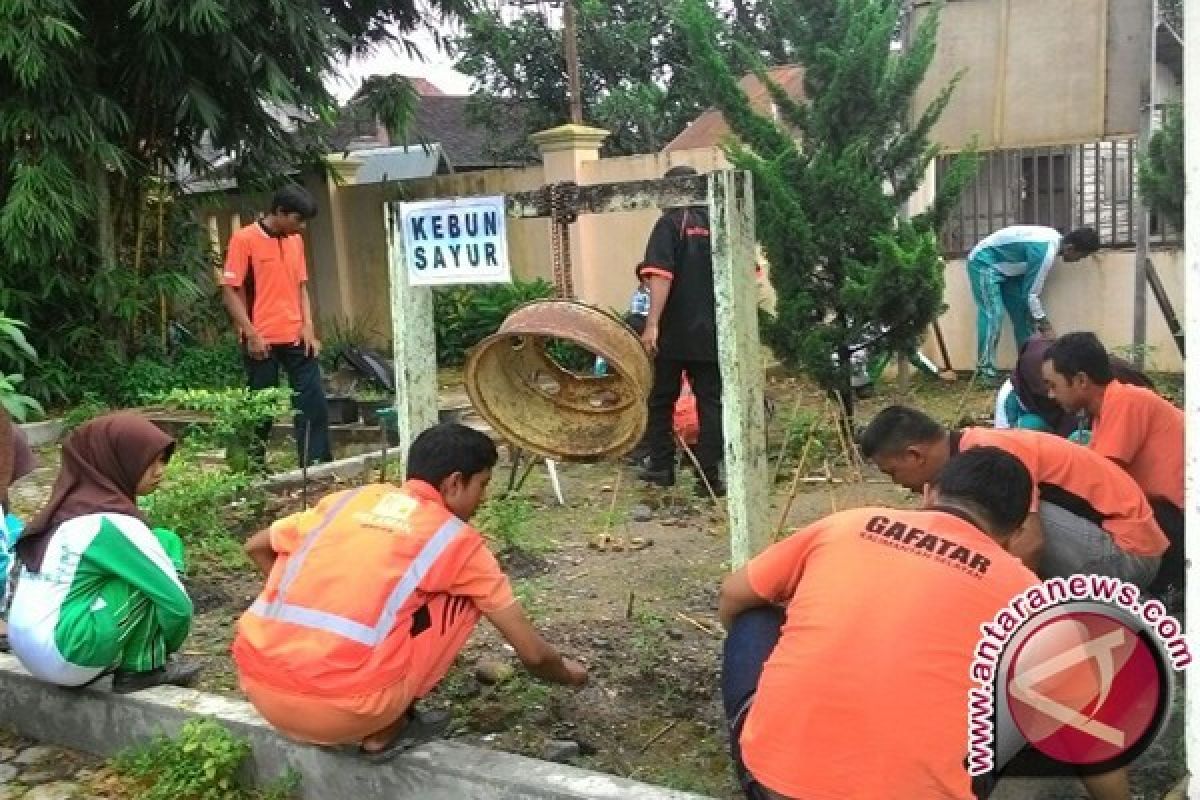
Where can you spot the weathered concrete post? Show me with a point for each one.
(413, 340)
(731, 215)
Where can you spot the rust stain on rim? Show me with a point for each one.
(540, 406)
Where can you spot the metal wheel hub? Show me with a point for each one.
(539, 405)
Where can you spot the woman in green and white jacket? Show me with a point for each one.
(99, 591)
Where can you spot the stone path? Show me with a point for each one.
(30, 771)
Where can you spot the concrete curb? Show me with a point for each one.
(45, 432)
(343, 469)
(99, 722)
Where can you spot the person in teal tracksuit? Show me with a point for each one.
(1007, 271)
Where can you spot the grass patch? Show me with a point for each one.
(201, 763)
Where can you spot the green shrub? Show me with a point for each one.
(192, 367)
(204, 505)
(235, 413)
(465, 315)
(506, 522)
(16, 354)
(201, 763)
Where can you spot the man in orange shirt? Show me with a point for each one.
(371, 595)
(833, 693)
(265, 289)
(1135, 427)
(1086, 515)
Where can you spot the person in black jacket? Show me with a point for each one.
(681, 336)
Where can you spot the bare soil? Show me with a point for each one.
(644, 621)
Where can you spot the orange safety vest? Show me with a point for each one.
(335, 618)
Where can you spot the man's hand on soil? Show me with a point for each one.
(576, 673)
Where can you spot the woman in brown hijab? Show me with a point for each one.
(99, 590)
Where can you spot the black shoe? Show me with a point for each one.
(658, 477)
(175, 673)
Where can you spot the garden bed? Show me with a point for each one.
(643, 620)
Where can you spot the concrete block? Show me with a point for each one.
(45, 432)
(99, 722)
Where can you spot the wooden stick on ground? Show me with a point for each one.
(700, 474)
(787, 506)
(962, 403)
(787, 439)
(697, 624)
(612, 507)
(661, 733)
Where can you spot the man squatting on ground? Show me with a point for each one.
(1131, 426)
(1086, 516)
(265, 290)
(371, 594)
(847, 665)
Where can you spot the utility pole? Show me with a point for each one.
(571, 50)
(570, 53)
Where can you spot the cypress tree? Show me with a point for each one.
(832, 177)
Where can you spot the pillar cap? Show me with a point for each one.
(344, 166)
(569, 137)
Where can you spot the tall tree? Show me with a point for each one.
(1160, 169)
(102, 102)
(832, 179)
(631, 56)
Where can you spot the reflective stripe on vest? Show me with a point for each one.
(368, 635)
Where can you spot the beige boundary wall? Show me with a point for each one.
(1094, 294)
(347, 252)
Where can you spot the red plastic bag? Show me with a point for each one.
(687, 419)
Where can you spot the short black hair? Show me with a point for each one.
(897, 427)
(1080, 352)
(294, 199)
(990, 482)
(440, 451)
(1085, 240)
(680, 170)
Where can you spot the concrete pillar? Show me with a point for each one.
(344, 169)
(413, 340)
(731, 214)
(564, 151)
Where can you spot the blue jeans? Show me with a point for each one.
(751, 639)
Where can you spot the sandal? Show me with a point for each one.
(422, 727)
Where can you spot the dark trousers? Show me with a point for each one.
(705, 377)
(751, 639)
(308, 398)
(1170, 573)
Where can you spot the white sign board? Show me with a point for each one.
(456, 241)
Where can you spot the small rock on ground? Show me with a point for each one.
(561, 751)
(34, 755)
(35, 777)
(7, 754)
(7, 773)
(61, 790)
(492, 672)
(641, 513)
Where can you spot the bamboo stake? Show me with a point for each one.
(787, 508)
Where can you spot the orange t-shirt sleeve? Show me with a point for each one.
(775, 573)
(1123, 433)
(482, 580)
(300, 261)
(237, 262)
